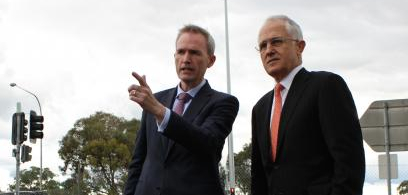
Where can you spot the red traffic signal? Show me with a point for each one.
(232, 191)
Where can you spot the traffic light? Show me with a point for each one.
(19, 127)
(14, 130)
(232, 191)
(36, 126)
(25, 153)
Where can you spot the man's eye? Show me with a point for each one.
(180, 51)
(276, 42)
(262, 46)
(195, 52)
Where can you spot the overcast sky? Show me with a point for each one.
(77, 57)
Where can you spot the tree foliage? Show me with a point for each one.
(243, 169)
(403, 188)
(97, 151)
(242, 162)
(30, 180)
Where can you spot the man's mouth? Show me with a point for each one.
(272, 60)
(186, 69)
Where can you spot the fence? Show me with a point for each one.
(372, 186)
(24, 193)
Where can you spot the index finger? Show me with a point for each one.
(141, 79)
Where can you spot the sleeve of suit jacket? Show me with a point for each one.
(139, 154)
(206, 133)
(342, 133)
(258, 177)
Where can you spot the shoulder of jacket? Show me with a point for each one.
(263, 100)
(324, 75)
(164, 92)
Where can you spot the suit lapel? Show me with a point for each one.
(167, 102)
(299, 84)
(265, 118)
(198, 102)
(196, 105)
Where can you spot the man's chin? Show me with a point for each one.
(273, 71)
(186, 79)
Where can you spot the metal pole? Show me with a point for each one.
(387, 146)
(227, 49)
(230, 137)
(18, 146)
(78, 180)
(33, 141)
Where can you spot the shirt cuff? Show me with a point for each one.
(165, 121)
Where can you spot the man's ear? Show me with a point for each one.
(301, 46)
(212, 61)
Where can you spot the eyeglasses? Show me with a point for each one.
(275, 42)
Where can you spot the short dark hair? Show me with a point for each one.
(196, 29)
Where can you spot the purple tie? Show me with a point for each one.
(182, 98)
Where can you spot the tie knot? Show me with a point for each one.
(184, 97)
(279, 87)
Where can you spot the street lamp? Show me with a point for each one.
(231, 164)
(39, 105)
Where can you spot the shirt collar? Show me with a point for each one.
(287, 81)
(192, 91)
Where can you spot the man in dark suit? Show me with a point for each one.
(306, 137)
(176, 153)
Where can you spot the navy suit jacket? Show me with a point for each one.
(183, 160)
(320, 148)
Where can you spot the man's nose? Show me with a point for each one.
(269, 49)
(186, 56)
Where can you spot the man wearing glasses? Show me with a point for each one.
(306, 137)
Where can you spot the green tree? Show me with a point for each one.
(242, 162)
(403, 188)
(97, 151)
(74, 186)
(30, 180)
(243, 169)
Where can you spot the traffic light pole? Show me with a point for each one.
(17, 154)
(39, 105)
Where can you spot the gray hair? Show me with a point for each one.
(205, 33)
(291, 26)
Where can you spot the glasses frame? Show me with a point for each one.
(274, 42)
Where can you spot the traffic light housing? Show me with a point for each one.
(232, 191)
(19, 128)
(36, 126)
(14, 130)
(25, 153)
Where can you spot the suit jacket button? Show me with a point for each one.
(276, 167)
